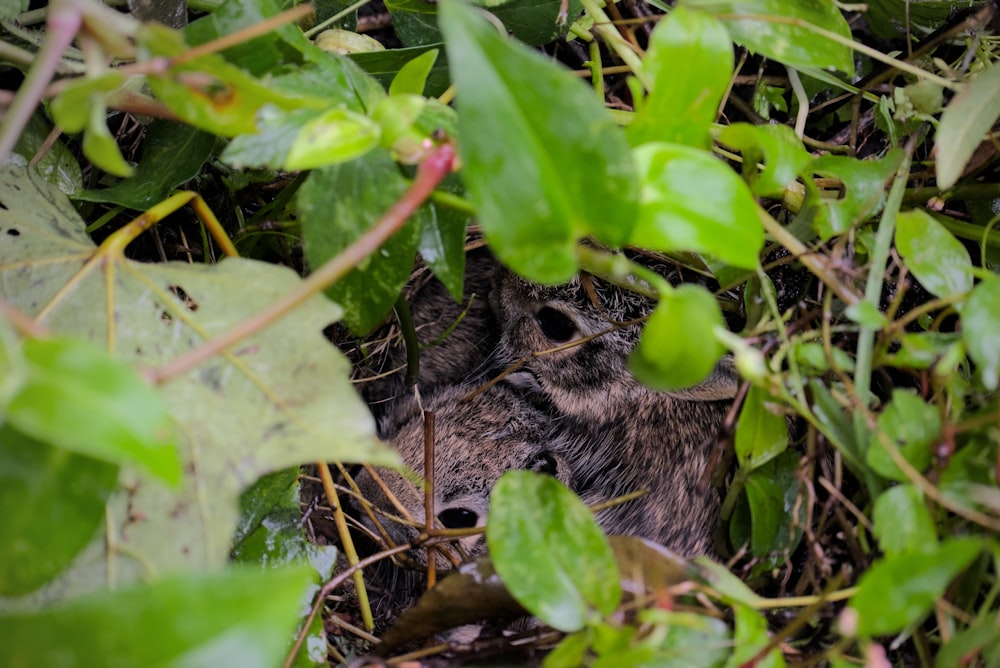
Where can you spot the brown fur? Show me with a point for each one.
(475, 443)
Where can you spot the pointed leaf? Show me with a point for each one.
(683, 101)
(544, 163)
(761, 434)
(412, 76)
(338, 204)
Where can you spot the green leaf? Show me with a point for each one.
(415, 22)
(172, 154)
(981, 330)
(691, 201)
(412, 76)
(898, 591)
(912, 426)
(544, 163)
(71, 108)
(237, 617)
(750, 638)
(678, 347)
(303, 139)
(776, 147)
(385, 65)
(761, 434)
(902, 522)
(776, 511)
(442, 247)
(964, 124)
(534, 22)
(785, 39)
(863, 193)
(43, 487)
(938, 260)
(338, 204)
(683, 101)
(549, 551)
(100, 147)
(75, 396)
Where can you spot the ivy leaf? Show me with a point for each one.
(544, 163)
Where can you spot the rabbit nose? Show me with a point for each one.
(458, 518)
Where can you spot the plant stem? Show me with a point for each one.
(431, 171)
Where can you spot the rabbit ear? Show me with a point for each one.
(723, 383)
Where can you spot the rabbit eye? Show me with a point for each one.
(458, 518)
(556, 326)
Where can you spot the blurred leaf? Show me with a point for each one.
(981, 329)
(786, 40)
(902, 521)
(237, 617)
(680, 639)
(964, 124)
(892, 18)
(9, 9)
(678, 347)
(534, 22)
(761, 434)
(412, 77)
(692, 201)
(683, 101)
(862, 196)
(938, 260)
(750, 638)
(549, 551)
(898, 591)
(733, 591)
(52, 502)
(98, 144)
(277, 399)
(303, 139)
(913, 426)
(172, 154)
(544, 163)
(338, 205)
(979, 639)
(75, 396)
(71, 108)
(776, 147)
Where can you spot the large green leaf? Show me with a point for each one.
(683, 101)
(338, 204)
(938, 260)
(550, 552)
(693, 202)
(52, 502)
(862, 196)
(898, 591)
(277, 399)
(239, 617)
(773, 28)
(544, 163)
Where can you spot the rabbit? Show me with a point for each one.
(446, 358)
(476, 441)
